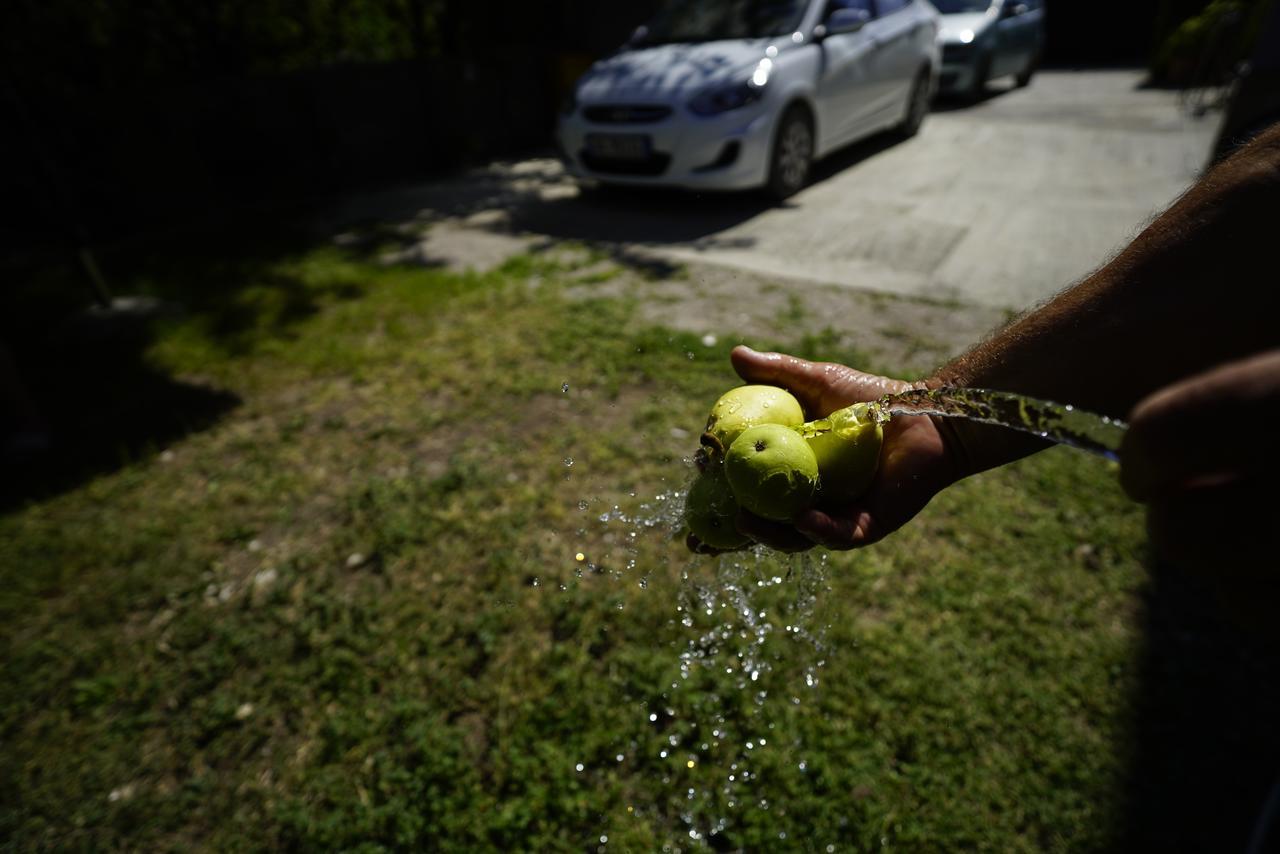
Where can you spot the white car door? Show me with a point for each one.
(897, 36)
(845, 91)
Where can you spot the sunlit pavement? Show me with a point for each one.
(1003, 203)
(1000, 204)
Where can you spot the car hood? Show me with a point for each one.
(953, 25)
(669, 72)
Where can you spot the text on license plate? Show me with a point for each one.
(619, 146)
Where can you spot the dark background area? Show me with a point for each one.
(140, 112)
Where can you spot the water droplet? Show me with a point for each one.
(536, 582)
(568, 462)
(578, 767)
(620, 757)
(579, 557)
(690, 763)
(564, 387)
(583, 505)
(653, 716)
(603, 838)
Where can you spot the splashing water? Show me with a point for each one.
(746, 645)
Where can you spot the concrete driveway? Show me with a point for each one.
(999, 204)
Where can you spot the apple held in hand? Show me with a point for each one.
(710, 510)
(772, 471)
(849, 454)
(749, 406)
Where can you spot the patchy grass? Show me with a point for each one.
(349, 614)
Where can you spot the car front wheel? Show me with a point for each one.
(792, 154)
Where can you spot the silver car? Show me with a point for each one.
(738, 94)
(986, 39)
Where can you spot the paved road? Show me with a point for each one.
(1000, 204)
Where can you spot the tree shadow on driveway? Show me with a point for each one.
(536, 197)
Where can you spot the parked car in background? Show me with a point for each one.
(986, 39)
(740, 94)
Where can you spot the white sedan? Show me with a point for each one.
(741, 94)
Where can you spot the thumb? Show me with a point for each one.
(805, 379)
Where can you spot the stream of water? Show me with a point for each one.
(747, 637)
(1063, 424)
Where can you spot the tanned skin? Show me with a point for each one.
(1179, 335)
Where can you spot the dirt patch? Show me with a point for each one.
(459, 249)
(906, 335)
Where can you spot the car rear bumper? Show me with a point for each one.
(726, 152)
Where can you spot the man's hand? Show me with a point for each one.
(918, 460)
(1204, 453)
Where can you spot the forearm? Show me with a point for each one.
(1197, 288)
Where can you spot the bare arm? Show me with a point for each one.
(1198, 288)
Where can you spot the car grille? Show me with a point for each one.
(623, 114)
(953, 54)
(651, 166)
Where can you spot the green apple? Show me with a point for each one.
(848, 454)
(710, 510)
(748, 406)
(772, 471)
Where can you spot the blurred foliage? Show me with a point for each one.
(1210, 43)
(83, 46)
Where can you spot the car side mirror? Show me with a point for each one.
(1014, 10)
(842, 21)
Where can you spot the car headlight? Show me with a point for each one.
(734, 96)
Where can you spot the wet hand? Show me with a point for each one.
(918, 459)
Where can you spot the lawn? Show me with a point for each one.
(349, 611)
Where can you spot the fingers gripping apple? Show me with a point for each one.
(759, 455)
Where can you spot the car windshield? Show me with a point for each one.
(714, 20)
(956, 7)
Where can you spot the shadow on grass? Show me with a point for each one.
(1206, 728)
(103, 402)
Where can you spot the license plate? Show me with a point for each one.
(619, 146)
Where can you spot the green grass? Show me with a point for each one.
(193, 656)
